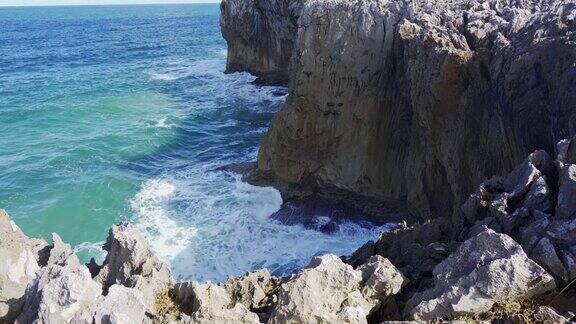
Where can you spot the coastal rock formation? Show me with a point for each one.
(260, 36)
(19, 258)
(485, 269)
(507, 254)
(417, 101)
(130, 263)
(506, 243)
(510, 251)
(329, 291)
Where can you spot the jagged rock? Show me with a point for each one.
(569, 262)
(130, 263)
(61, 291)
(211, 303)
(398, 99)
(121, 305)
(545, 254)
(519, 181)
(539, 197)
(544, 314)
(380, 278)
(250, 289)
(486, 268)
(533, 232)
(563, 231)
(566, 206)
(18, 265)
(326, 291)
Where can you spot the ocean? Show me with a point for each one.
(123, 113)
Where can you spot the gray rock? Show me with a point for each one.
(18, 266)
(398, 99)
(121, 305)
(326, 291)
(533, 232)
(130, 263)
(563, 231)
(61, 291)
(211, 303)
(250, 289)
(487, 268)
(539, 197)
(544, 314)
(566, 206)
(380, 278)
(569, 262)
(545, 254)
(260, 36)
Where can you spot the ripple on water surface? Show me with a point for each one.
(122, 113)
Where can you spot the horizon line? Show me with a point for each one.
(103, 4)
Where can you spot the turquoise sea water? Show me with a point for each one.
(111, 113)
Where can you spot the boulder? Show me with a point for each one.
(211, 303)
(545, 314)
(380, 278)
(485, 269)
(121, 305)
(62, 290)
(545, 254)
(566, 206)
(563, 231)
(569, 262)
(326, 291)
(534, 231)
(130, 263)
(18, 265)
(250, 289)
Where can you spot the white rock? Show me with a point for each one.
(211, 303)
(130, 263)
(18, 265)
(62, 290)
(381, 278)
(326, 291)
(248, 289)
(486, 268)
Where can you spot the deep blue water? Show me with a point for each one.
(112, 113)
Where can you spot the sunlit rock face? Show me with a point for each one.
(260, 36)
(413, 101)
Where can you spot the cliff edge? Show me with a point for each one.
(510, 259)
(412, 101)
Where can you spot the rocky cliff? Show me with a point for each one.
(511, 259)
(413, 101)
(260, 36)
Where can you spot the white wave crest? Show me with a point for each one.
(232, 229)
(167, 238)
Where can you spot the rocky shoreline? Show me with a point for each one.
(411, 103)
(510, 257)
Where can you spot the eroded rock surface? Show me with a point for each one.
(485, 269)
(130, 263)
(330, 291)
(18, 265)
(417, 101)
(260, 36)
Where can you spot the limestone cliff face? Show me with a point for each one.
(420, 100)
(260, 36)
